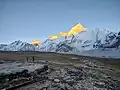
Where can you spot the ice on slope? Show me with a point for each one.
(87, 43)
(88, 39)
(49, 46)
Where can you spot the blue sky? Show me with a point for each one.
(28, 20)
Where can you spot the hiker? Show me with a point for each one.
(27, 59)
(33, 58)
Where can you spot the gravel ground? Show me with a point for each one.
(74, 73)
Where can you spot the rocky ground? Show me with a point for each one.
(75, 73)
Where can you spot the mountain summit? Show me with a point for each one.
(90, 40)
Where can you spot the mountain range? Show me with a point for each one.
(89, 41)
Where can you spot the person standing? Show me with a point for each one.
(33, 58)
(27, 59)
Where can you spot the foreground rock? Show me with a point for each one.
(10, 79)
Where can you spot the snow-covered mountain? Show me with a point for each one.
(17, 46)
(49, 46)
(92, 39)
(95, 39)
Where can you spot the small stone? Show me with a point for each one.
(66, 78)
(3, 89)
(100, 85)
(57, 80)
(54, 88)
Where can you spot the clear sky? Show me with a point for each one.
(28, 20)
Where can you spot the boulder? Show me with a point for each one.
(42, 69)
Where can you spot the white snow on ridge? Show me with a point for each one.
(96, 42)
(91, 37)
(88, 39)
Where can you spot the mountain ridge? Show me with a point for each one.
(91, 40)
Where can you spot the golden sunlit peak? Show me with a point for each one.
(76, 29)
(62, 34)
(36, 42)
(53, 37)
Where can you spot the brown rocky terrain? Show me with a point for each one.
(59, 72)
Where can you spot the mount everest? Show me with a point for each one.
(91, 43)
